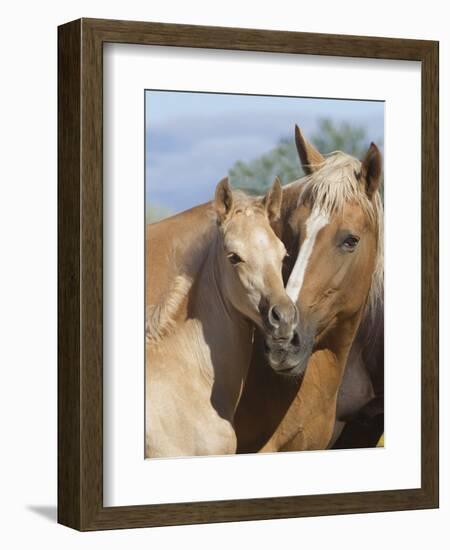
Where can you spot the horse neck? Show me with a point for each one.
(227, 333)
(340, 340)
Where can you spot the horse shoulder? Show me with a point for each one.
(356, 389)
(363, 376)
(179, 410)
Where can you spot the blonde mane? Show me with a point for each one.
(336, 183)
(160, 318)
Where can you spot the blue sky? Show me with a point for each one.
(193, 139)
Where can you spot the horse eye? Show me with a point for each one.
(234, 259)
(350, 243)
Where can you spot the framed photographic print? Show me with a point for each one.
(248, 274)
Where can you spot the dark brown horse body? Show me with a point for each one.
(360, 405)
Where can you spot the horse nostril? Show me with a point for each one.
(295, 341)
(274, 316)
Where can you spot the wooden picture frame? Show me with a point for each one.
(80, 272)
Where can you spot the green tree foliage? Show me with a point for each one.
(340, 137)
(256, 176)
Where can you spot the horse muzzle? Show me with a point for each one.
(281, 320)
(289, 356)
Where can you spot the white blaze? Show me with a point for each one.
(314, 224)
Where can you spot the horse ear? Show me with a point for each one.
(272, 201)
(310, 158)
(371, 170)
(223, 199)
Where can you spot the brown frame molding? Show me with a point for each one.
(80, 265)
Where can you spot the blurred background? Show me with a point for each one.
(194, 139)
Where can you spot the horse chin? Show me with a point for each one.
(288, 358)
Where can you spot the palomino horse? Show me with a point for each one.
(332, 225)
(200, 337)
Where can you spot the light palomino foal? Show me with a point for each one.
(199, 343)
(332, 226)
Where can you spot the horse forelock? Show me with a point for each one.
(335, 184)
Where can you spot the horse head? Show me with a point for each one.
(251, 258)
(336, 251)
